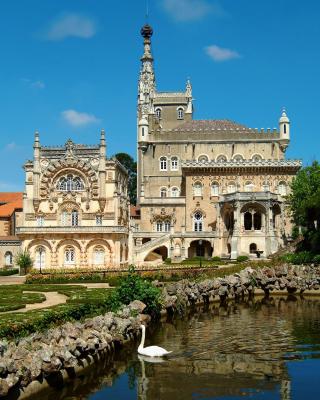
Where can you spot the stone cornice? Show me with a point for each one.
(293, 165)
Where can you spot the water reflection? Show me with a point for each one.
(238, 350)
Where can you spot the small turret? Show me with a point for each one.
(284, 130)
(284, 125)
(143, 128)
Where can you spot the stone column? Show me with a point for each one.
(235, 235)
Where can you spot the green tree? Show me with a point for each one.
(128, 162)
(24, 261)
(305, 205)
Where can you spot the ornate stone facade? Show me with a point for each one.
(75, 211)
(206, 187)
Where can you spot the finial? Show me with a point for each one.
(146, 31)
(284, 112)
(36, 136)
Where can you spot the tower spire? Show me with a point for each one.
(147, 79)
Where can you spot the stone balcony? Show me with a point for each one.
(25, 230)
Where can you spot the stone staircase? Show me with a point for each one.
(156, 242)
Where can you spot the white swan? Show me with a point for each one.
(150, 351)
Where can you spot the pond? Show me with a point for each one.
(262, 349)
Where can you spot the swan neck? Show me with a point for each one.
(143, 336)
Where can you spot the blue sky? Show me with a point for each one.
(70, 68)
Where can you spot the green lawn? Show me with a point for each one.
(82, 302)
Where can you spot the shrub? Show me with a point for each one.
(216, 258)
(24, 261)
(316, 259)
(303, 257)
(242, 258)
(134, 287)
(167, 261)
(7, 272)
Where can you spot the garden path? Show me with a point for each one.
(52, 299)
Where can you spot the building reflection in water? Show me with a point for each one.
(237, 350)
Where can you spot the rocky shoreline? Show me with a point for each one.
(48, 357)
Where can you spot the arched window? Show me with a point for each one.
(214, 189)
(8, 259)
(232, 187)
(174, 163)
(221, 159)
(175, 192)
(163, 192)
(163, 163)
(74, 218)
(70, 183)
(256, 157)
(266, 186)
(98, 256)
(252, 248)
(237, 158)
(64, 218)
(40, 257)
(198, 222)
(159, 226)
(197, 189)
(180, 113)
(282, 188)
(69, 256)
(166, 226)
(249, 187)
(158, 113)
(203, 158)
(248, 221)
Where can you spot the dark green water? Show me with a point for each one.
(258, 350)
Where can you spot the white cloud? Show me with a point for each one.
(188, 10)
(71, 25)
(75, 118)
(34, 84)
(220, 54)
(11, 146)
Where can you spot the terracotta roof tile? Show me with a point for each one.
(9, 202)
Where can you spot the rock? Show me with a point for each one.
(171, 289)
(138, 306)
(4, 387)
(45, 355)
(12, 380)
